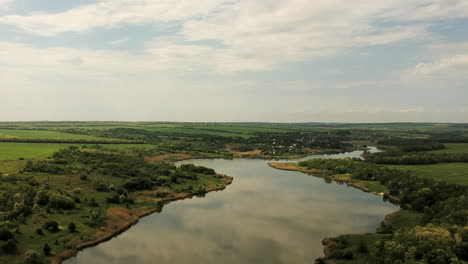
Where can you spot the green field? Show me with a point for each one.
(14, 151)
(7, 166)
(453, 148)
(42, 134)
(456, 173)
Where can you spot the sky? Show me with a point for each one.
(234, 60)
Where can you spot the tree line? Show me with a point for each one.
(443, 240)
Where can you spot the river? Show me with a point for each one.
(265, 216)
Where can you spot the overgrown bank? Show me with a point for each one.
(439, 235)
(83, 196)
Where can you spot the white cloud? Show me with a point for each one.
(424, 10)
(118, 41)
(442, 62)
(111, 13)
(5, 3)
(457, 62)
(253, 35)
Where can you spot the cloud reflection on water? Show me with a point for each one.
(265, 216)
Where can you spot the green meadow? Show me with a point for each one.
(456, 173)
(453, 148)
(42, 134)
(15, 151)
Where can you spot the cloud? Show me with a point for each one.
(455, 62)
(443, 62)
(109, 14)
(118, 41)
(424, 10)
(250, 35)
(5, 3)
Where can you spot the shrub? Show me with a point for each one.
(348, 254)
(46, 249)
(72, 227)
(9, 246)
(362, 248)
(51, 226)
(115, 199)
(101, 187)
(58, 201)
(33, 257)
(39, 232)
(5, 235)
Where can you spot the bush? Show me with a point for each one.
(83, 177)
(58, 201)
(362, 248)
(46, 249)
(51, 226)
(39, 232)
(348, 254)
(101, 187)
(114, 199)
(33, 257)
(72, 227)
(5, 235)
(9, 246)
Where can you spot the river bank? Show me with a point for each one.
(366, 186)
(215, 224)
(120, 219)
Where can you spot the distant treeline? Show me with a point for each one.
(456, 139)
(415, 158)
(268, 143)
(410, 144)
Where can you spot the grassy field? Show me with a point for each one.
(42, 134)
(453, 148)
(7, 166)
(14, 151)
(398, 220)
(352, 245)
(456, 173)
(405, 220)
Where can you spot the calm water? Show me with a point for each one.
(265, 216)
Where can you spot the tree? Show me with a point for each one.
(46, 249)
(362, 248)
(72, 227)
(9, 246)
(51, 226)
(33, 257)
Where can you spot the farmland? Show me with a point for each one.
(102, 176)
(456, 173)
(453, 148)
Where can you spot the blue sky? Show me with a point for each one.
(234, 60)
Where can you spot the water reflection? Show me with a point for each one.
(265, 216)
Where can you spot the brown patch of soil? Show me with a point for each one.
(254, 152)
(169, 157)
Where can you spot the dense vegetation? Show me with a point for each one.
(445, 208)
(52, 202)
(75, 187)
(416, 158)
